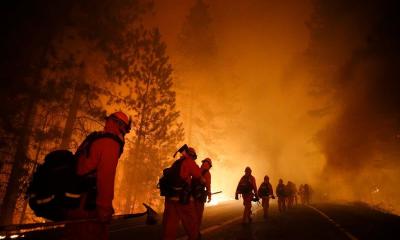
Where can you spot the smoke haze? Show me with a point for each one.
(315, 88)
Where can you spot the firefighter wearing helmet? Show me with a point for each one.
(202, 191)
(265, 192)
(179, 203)
(99, 164)
(248, 189)
(281, 193)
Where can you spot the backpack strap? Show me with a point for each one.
(84, 148)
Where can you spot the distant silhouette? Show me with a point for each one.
(248, 189)
(265, 192)
(281, 194)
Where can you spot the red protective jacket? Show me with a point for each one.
(189, 170)
(252, 182)
(207, 178)
(103, 156)
(269, 187)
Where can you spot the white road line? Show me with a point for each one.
(217, 226)
(337, 225)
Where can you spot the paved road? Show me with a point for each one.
(319, 221)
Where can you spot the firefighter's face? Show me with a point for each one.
(205, 165)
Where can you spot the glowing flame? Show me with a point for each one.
(217, 199)
(376, 190)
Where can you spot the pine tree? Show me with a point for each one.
(141, 66)
(24, 87)
(22, 80)
(209, 108)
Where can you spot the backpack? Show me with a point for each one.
(56, 187)
(281, 190)
(170, 183)
(199, 190)
(245, 187)
(264, 190)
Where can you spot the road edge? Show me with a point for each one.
(337, 225)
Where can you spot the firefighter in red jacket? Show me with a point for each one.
(100, 162)
(248, 189)
(176, 209)
(265, 192)
(202, 191)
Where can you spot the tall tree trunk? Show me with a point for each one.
(73, 111)
(17, 171)
(137, 149)
(190, 128)
(36, 162)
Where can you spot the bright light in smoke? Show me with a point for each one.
(2, 237)
(217, 199)
(14, 236)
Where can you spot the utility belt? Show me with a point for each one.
(199, 193)
(176, 199)
(183, 194)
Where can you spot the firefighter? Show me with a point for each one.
(290, 194)
(202, 191)
(307, 193)
(248, 189)
(100, 163)
(181, 207)
(295, 193)
(301, 193)
(281, 194)
(265, 192)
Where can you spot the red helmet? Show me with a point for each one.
(207, 160)
(192, 153)
(122, 119)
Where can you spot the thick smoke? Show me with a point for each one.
(359, 42)
(317, 89)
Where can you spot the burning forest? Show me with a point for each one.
(306, 91)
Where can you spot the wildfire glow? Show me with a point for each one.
(218, 199)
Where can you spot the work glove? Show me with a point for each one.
(104, 214)
(236, 196)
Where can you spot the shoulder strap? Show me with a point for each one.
(115, 138)
(84, 148)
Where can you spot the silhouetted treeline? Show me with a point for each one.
(63, 67)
